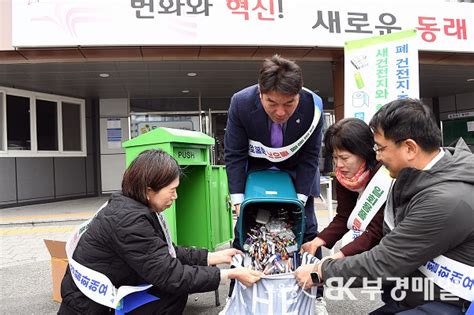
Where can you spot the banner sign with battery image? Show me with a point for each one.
(378, 70)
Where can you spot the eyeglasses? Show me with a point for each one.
(380, 149)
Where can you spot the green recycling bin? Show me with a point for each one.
(201, 216)
(271, 190)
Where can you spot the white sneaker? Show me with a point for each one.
(320, 308)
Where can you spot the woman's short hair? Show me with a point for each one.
(152, 168)
(353, 135)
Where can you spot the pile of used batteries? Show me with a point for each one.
(270, 245)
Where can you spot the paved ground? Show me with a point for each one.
(25, 262)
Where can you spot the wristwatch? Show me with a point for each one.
(315, 278)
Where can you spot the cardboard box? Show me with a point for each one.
(57, 250)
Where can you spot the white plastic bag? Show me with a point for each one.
(273, 294)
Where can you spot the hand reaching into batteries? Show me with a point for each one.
(245, 275)
(312, 246)
(222, 256)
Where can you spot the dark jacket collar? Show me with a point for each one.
(456, 165)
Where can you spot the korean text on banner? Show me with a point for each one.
(378, 70)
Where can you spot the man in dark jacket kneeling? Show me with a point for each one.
(428, 220)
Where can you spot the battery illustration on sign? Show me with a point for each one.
(359, 62)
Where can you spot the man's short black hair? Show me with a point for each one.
(280, 75)
(408, 119)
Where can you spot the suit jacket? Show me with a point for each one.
(247, 119)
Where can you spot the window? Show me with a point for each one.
(2, 122)
(18, 123)
(47, 125)
(38, 124)
(71, 126)
(144, 122)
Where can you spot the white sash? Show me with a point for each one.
(166, 231)
(95, 285)
(368, 205)
(258, 150)
(449, 274)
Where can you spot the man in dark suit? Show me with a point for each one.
(266, 120)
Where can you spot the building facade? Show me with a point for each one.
(79, 77)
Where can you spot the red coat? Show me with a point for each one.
(346, 201)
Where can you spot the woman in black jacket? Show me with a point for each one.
(128, 241)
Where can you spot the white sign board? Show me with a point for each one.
(60, 23)
(114, 133)
(470, 126)
(378, 70)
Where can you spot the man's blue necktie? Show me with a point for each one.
(276, 137)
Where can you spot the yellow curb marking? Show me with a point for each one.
(62, 229)
(37, 230)
(323, 212)
(79, 215)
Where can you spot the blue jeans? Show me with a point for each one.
(431, 308)
(311, 231)
(311, 223)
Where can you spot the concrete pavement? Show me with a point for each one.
(61, 211)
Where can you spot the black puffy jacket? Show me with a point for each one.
(125, 242)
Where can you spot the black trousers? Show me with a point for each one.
(167, 304)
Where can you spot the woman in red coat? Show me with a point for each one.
(351, 143)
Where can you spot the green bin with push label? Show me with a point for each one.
(201, 216)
